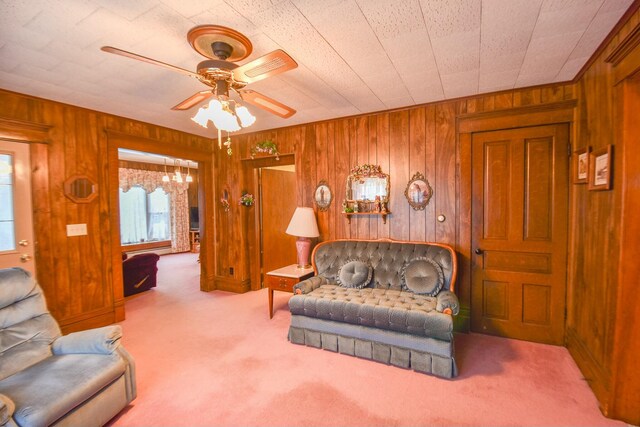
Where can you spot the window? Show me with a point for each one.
(7, 223)
(144, 217)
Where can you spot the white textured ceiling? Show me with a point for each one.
(354, 56)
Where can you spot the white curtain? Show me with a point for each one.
(159, 217)
(178, 202)
(133, 215)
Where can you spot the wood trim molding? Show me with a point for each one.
(627, 45)
(626, 57)
(145, 246)
(268, 161)
(558, 112)
(232, 285)
(20, 131)
(592, 371)
(126, 140)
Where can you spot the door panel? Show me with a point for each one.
(16, 223)
(278, 189)
(519, 232)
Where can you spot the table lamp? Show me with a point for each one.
(303, 225)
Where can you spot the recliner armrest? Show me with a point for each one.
(7, 407)
(104, 340)
(447, 302)
(309, 285)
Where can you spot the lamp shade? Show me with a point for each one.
(303, 223)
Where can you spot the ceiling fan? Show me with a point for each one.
(225, 46)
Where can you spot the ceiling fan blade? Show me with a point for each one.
(268, 65)
(193, 100)
(132, 55)
(266, 103)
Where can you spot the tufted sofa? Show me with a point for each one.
(81, 379)
(383, 321)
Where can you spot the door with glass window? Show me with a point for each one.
(16, 226)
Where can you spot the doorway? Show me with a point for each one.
(277, 204)
(16, 218)
(519, 232)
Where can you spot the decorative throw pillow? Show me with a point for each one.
(422, 276)
(354, 274)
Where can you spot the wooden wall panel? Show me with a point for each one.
(383, 159)
(597, 305)
(76, 273)
(445, 174)
(341, 144)
(418, 153)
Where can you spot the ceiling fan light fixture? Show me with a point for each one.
(246, 118)
(201, 117)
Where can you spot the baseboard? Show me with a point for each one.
(593, 373)
(232, 285)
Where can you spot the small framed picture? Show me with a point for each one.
(418, 192)
(581, 165)
(323, 196)
(600, 165)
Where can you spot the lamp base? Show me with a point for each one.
(303, 248)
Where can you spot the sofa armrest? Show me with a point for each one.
(447, 302)
(93, 341)
(7, 407)
(309, 285)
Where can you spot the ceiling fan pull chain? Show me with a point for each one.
(227, 144)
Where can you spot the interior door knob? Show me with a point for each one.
(478, 251)
(23, 242)
(25, 257)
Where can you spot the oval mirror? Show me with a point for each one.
(80, 189)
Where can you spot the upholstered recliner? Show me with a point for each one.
(139, 273)
(81, 379)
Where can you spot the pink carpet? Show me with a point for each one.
(206, 359)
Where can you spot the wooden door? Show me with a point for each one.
(16, 223)
(519, 233)
(278, 202)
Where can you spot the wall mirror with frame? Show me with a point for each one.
(80, 189)
(367, 190)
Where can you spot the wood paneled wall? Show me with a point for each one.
(77, 273)
(596, 233)
(420, 139)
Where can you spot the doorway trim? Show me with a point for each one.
(467, 125)
(253, 166)
(116, 140)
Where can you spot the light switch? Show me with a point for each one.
(76, 230)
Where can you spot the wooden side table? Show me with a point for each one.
(283, 279)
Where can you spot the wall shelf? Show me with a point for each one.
(381, 214)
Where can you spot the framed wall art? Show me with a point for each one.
(600, 165)
(580, 171)
(418, 192)
(322, 196)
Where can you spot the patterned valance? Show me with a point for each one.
(149, 180)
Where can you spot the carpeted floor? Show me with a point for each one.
(206, 359)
